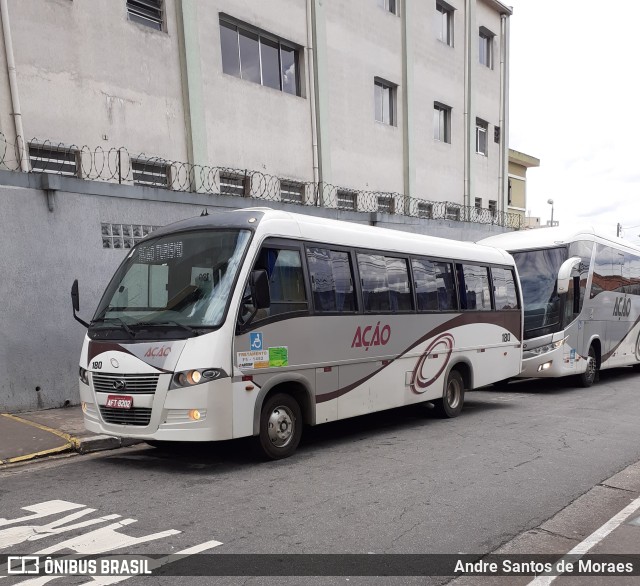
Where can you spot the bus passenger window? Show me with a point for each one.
(434, 285)
(504, 288)
(331, 280)
(286, 281)
(385, 283)
(473, 286)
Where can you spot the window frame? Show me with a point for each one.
(444, 122)
(420, 209)
(384, 85)
(482, 126)
(445, 12)
(349, 193)
(245, 179)
(136, 9)
(435, 259)
(386, 198)
(288, 183)
(487, 267)
(485, 38)
(237, 26)
(386, 5)
(152, 162)
(71, 156)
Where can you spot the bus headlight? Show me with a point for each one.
(546, 348)
(84, 377)
(197, 376)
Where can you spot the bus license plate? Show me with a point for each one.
(119, 402)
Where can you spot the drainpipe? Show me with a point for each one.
(469, 123)
(312, 100)
(504, 110)
(13, 85)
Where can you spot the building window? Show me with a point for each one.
(509, 193)
(147, 12)
(266, 60)
(50, 159)
(481, 136)
(425, 210)
(123, 235)
(441, 122)
(384, 97)
(493, 206)
(478, 203)
(452, 213)
(389, 5)
(385, 204)
(234, 184)
(291, 192)
(151, 172)
(485, 47)
(347, 200)
(444, 23)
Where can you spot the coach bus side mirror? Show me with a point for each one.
(568, 269)
(259, 284)
(75, 300)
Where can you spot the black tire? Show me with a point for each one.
(280, 427)
(589, 376)
(452, 397)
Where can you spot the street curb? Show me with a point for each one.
(98, 443)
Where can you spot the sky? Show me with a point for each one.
(575, 105)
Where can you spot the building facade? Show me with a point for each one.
(517, 194)
(375, 100)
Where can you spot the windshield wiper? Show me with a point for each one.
(122, 323)
(169, 322)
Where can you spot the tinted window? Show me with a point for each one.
(230, 54)
(607, 270)
(504, 289)
(331, 281)
(385, 283)
(435, 289)
(473, 287)
(250, 56)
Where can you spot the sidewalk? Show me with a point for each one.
(36, 434)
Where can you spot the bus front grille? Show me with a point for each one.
(134, 416)
(133, 383)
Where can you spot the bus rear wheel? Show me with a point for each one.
(589, 376)
(452, 397)
(280, 427)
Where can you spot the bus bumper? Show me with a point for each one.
(200, 413)
(562, 361)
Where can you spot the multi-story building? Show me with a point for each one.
(517, 194)
(391, 97)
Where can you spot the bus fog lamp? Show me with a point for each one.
(545, 366)
(195, 415)
(84, 406)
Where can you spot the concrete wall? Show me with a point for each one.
(43, 251)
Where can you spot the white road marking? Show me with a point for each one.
(596, 537)
(43, 510)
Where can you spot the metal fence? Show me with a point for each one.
(120, 166)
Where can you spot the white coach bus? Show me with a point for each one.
(255, 322)
(581, 300)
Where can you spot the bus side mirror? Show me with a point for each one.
(259, 285)
(568, 269)
(75, 301)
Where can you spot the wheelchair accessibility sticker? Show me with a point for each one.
(256, 340)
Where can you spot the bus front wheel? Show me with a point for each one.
(589, 376)
(280, 427)
(452, 397)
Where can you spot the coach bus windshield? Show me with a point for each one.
(178, 281)
(538, 271)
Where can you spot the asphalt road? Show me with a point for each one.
(398, 481)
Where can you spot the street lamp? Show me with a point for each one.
(550, 202)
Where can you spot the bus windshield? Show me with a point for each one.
(180, 280)
(538, 271)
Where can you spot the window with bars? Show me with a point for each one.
(347, 200)
(291, 192)
(478, 203)
(151, 172)
(452, 213)
(493, 207)
(425, 210)
(263, 59)
(441, 122)
(147, 12)
(50, 159)
(444, 23)
(385, 204)
(234, 184)
(123, 235)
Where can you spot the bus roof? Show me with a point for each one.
(284, 224)
(557, 236)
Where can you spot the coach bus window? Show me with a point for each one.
(331, 280)
(374, 281)
(399, 289)
(286, 281)
(473, 287)
(504, 288)
(607, 272)
(434, 283)
(583, 249)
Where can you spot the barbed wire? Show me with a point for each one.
(121, 166)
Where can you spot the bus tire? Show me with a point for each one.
(452, 397)
(280, 427)
(590, 375)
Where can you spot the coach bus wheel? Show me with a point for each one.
(280, 427)
(588, 377)
(452, 398)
